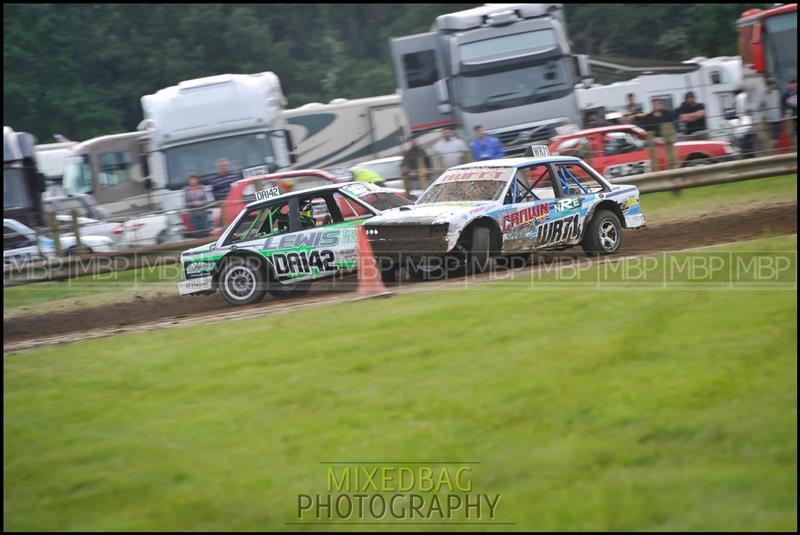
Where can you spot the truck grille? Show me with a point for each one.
(516, 141)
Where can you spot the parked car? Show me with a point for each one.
(508, 206)
(126, 232)
(21, 243)
(621, 150)
(284, 242)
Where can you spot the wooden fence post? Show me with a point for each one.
(76, 229)
(651, 149)
(668, 133)
(766, 138)
(52, 222)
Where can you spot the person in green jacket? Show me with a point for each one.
(362, 174)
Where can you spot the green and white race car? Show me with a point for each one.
(281, 243)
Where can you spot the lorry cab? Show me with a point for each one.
(23, 184)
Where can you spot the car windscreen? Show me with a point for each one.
(470, 184)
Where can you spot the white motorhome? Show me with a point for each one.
(714, 83)
(344, 132)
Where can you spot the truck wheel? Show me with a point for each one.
(603, 235)
(285, 291)
(242, 281)
(478, 255)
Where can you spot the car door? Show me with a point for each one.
(577, 192)
(527, 207)
(623, 154)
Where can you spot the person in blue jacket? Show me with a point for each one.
(485, 147)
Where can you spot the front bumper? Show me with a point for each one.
(197, 285)
(635, 221)
(408, 239)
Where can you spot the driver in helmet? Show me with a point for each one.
(307, 214)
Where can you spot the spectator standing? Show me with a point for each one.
(415, 165)
(196, 198)
(653, 120)
(634, 112)
(485, 147)
(692, 115)
(771, 106)
(593, 120)
(221, 183)
(789, 102)
(450, 150)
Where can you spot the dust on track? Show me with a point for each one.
(151, 313)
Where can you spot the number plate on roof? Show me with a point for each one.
(268, 193)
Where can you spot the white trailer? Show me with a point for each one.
(714, 83)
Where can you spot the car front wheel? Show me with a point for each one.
(241, 281)
(604, 234)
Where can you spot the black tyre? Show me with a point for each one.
(604, 234)
(479, 250)
(285, 291)
(242, 281)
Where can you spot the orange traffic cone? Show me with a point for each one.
(370, 283)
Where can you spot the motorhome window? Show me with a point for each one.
(420, 68)
(508, 45)
(514, 85)
(77, 175)
(247, 150)
(115, 168)
(15, 191)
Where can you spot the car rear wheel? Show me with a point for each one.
(241, 281)
(604, 234)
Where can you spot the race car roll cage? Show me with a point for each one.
(561, 187)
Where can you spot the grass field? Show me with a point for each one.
(77, 293)
(587, 409)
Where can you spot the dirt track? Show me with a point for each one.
(708, 230)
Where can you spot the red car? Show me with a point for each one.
(621, 150)
(243, 192)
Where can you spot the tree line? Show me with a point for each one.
(81, 69)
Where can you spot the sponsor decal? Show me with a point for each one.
(567, 205)
(328, 238)
(626, 169)
(199, 267)
(628, 203)
(478, 173)
(303, 262)
(557, 231)
(533, 213)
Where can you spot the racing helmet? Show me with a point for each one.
(307, 213)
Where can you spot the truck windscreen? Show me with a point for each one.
(77, 175)
(514, 86)
(781, 49)
(508, 45)
(247, 150)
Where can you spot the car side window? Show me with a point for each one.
(531, 184)
(260, 223)
(13, 239)
(351, 209)
(575, 179)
